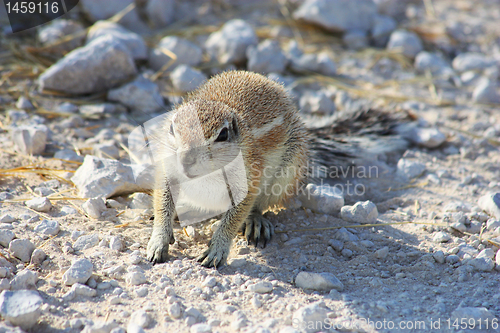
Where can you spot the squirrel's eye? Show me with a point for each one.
(172, 129)
(223, 135)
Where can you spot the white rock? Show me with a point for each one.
(471, 61)
(83, 290)
(24, 103)
(98, 10)
(210, 282)
(490, 203)
(96, 67)
(482, 264)
(160, 12)
(134, 42)
(486, 253)
(21, 308)
(322, 199)
(21, 249)
(338, 15)
(79, 272)
(100, 176)
(317, 102)
(94, 207)
(6, 236)
(318, 281)
(441, 237)
(115, 243)
(40, 204)
(141, 201)
(266, 57)
(355, 39)
(382, 253)
(491, 224)
(48, 227)
(361, 212)
(260, 287)
(439, 256)
(486, 92)
(427, 61)
(186, 53)
(100, 327)
(474, 314)
(313, 62)
(383, 26)
(7, 218)
(175, 310)
(405, 41)
(185, 78)
(30, 140)
(409, 169)
(310, 316)
(25, 279)
(141, 94)
(86, 242)
(134, 328)
(68, 154)
(140, 318)
(200, 328)
(427, 137)
(106, 149)
(55, 30)
(38, 256)
(229, 44)
(136, 278)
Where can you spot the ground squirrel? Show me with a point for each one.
(235, 114)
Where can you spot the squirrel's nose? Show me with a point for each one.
(187, 159)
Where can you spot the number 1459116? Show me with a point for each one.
(23, 7)
(473, 323)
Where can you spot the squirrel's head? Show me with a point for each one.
(205, 136)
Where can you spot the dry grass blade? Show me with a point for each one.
(173, 59)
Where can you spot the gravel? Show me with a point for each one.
(486, 92)
(6, 236)
(96, 67)
(307, 316)
(317, 102)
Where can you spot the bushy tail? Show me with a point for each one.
(357, 139)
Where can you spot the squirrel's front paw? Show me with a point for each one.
(216, 254)
(158, 247)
